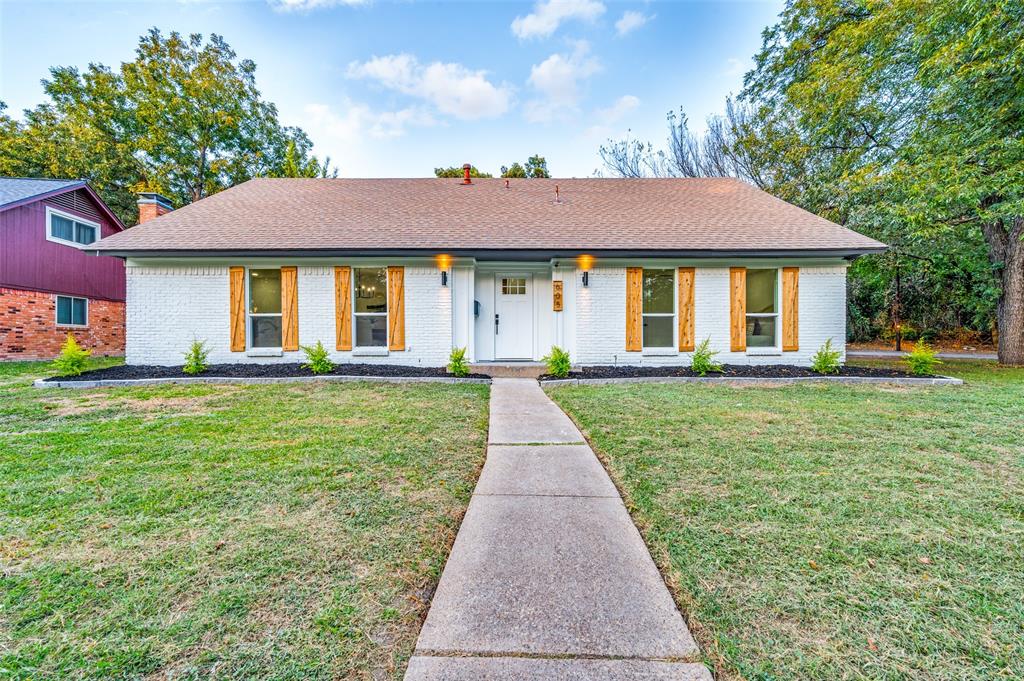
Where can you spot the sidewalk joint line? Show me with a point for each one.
(685, 659)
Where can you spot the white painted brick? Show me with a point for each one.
(601, 318)
(169, 306)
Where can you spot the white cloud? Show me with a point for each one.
(630, 21)
(452, 88)
(548, 15)
(735, 67)
(359, 120)
(608, 117)
(557, 81)
(308, 5)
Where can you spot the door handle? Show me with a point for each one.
(496, 322)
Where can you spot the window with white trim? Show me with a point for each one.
(659, 308)
(72, 311)
(265, 308)
(762, 308)
(370, 307)
(69, 229)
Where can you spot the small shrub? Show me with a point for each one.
(317, 358)
(72, 359)
(703, 358)
(826, 359)
(558, 362)
(457, 364)
(196, 358)
(922, 360)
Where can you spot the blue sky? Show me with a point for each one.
(393, 89)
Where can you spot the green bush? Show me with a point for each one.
(196, 358)
(922, 360)
(703, 358)
(826, 359)
(558, 362)
(73, 358)
(317, 359)
(457, 364)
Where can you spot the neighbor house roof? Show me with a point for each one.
(21, 189)
(656, 216)
(18, 191)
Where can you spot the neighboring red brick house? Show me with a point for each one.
(50, 285)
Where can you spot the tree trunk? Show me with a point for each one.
(1010, 313)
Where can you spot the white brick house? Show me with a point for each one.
(632, 272)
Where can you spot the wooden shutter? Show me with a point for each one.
(634, 309)
(686, 313)
(396, 308)
(236, 283)
(343, 308)
(289, 308)
(790, 309)
(738, 309)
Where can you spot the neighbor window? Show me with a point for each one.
(265, 308)
(762, 308)
(659, 306)
(371, 306)
(72, 311)
(69, 229)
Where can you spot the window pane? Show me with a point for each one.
(371, 331)
(266, 332)
(761, 291)
(62, 228)
(658, 293)
(63, 310)
(513, 287)
(265, 292)
(86, 233)
(78, 311)
(658, 332)
(760, 332)
(371, 289)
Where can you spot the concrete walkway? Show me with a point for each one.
(548, 577)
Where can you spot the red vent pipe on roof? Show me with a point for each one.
(465, 174)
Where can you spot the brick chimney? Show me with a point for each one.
(153, 205)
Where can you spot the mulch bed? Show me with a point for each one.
(730, 371)
(126, 372)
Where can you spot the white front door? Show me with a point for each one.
(513, 316)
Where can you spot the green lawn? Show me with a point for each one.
(831, 531)
(281, 531)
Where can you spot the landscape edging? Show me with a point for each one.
(908, 380)
(129, 382)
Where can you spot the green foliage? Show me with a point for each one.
(456, 171)
(535, 166)
(457, 364)
(196, 358)
(558, 362)
(922, 360)
(703, 359)
(73, 358)
(296, 164)
(183, 118)
(826, 359)
(514, 170)
(318, 360)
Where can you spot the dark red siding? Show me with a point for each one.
(29, 261)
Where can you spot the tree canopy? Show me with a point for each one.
(184, 118)
(457, 171)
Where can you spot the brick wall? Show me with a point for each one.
(170, 306)
(601, 318)
(29, 330)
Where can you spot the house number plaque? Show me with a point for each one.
(556, 296)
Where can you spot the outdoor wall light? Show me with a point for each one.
(443, 263)
(444, 277)
(585, 262)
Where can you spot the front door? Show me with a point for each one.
(513, 316)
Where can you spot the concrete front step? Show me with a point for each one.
(509, 369)
(424, 668)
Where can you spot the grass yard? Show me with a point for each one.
(831, 531)
(234, 532)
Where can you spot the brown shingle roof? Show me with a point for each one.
(680, 215)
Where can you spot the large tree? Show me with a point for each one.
(922, 109)
(184, 118)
